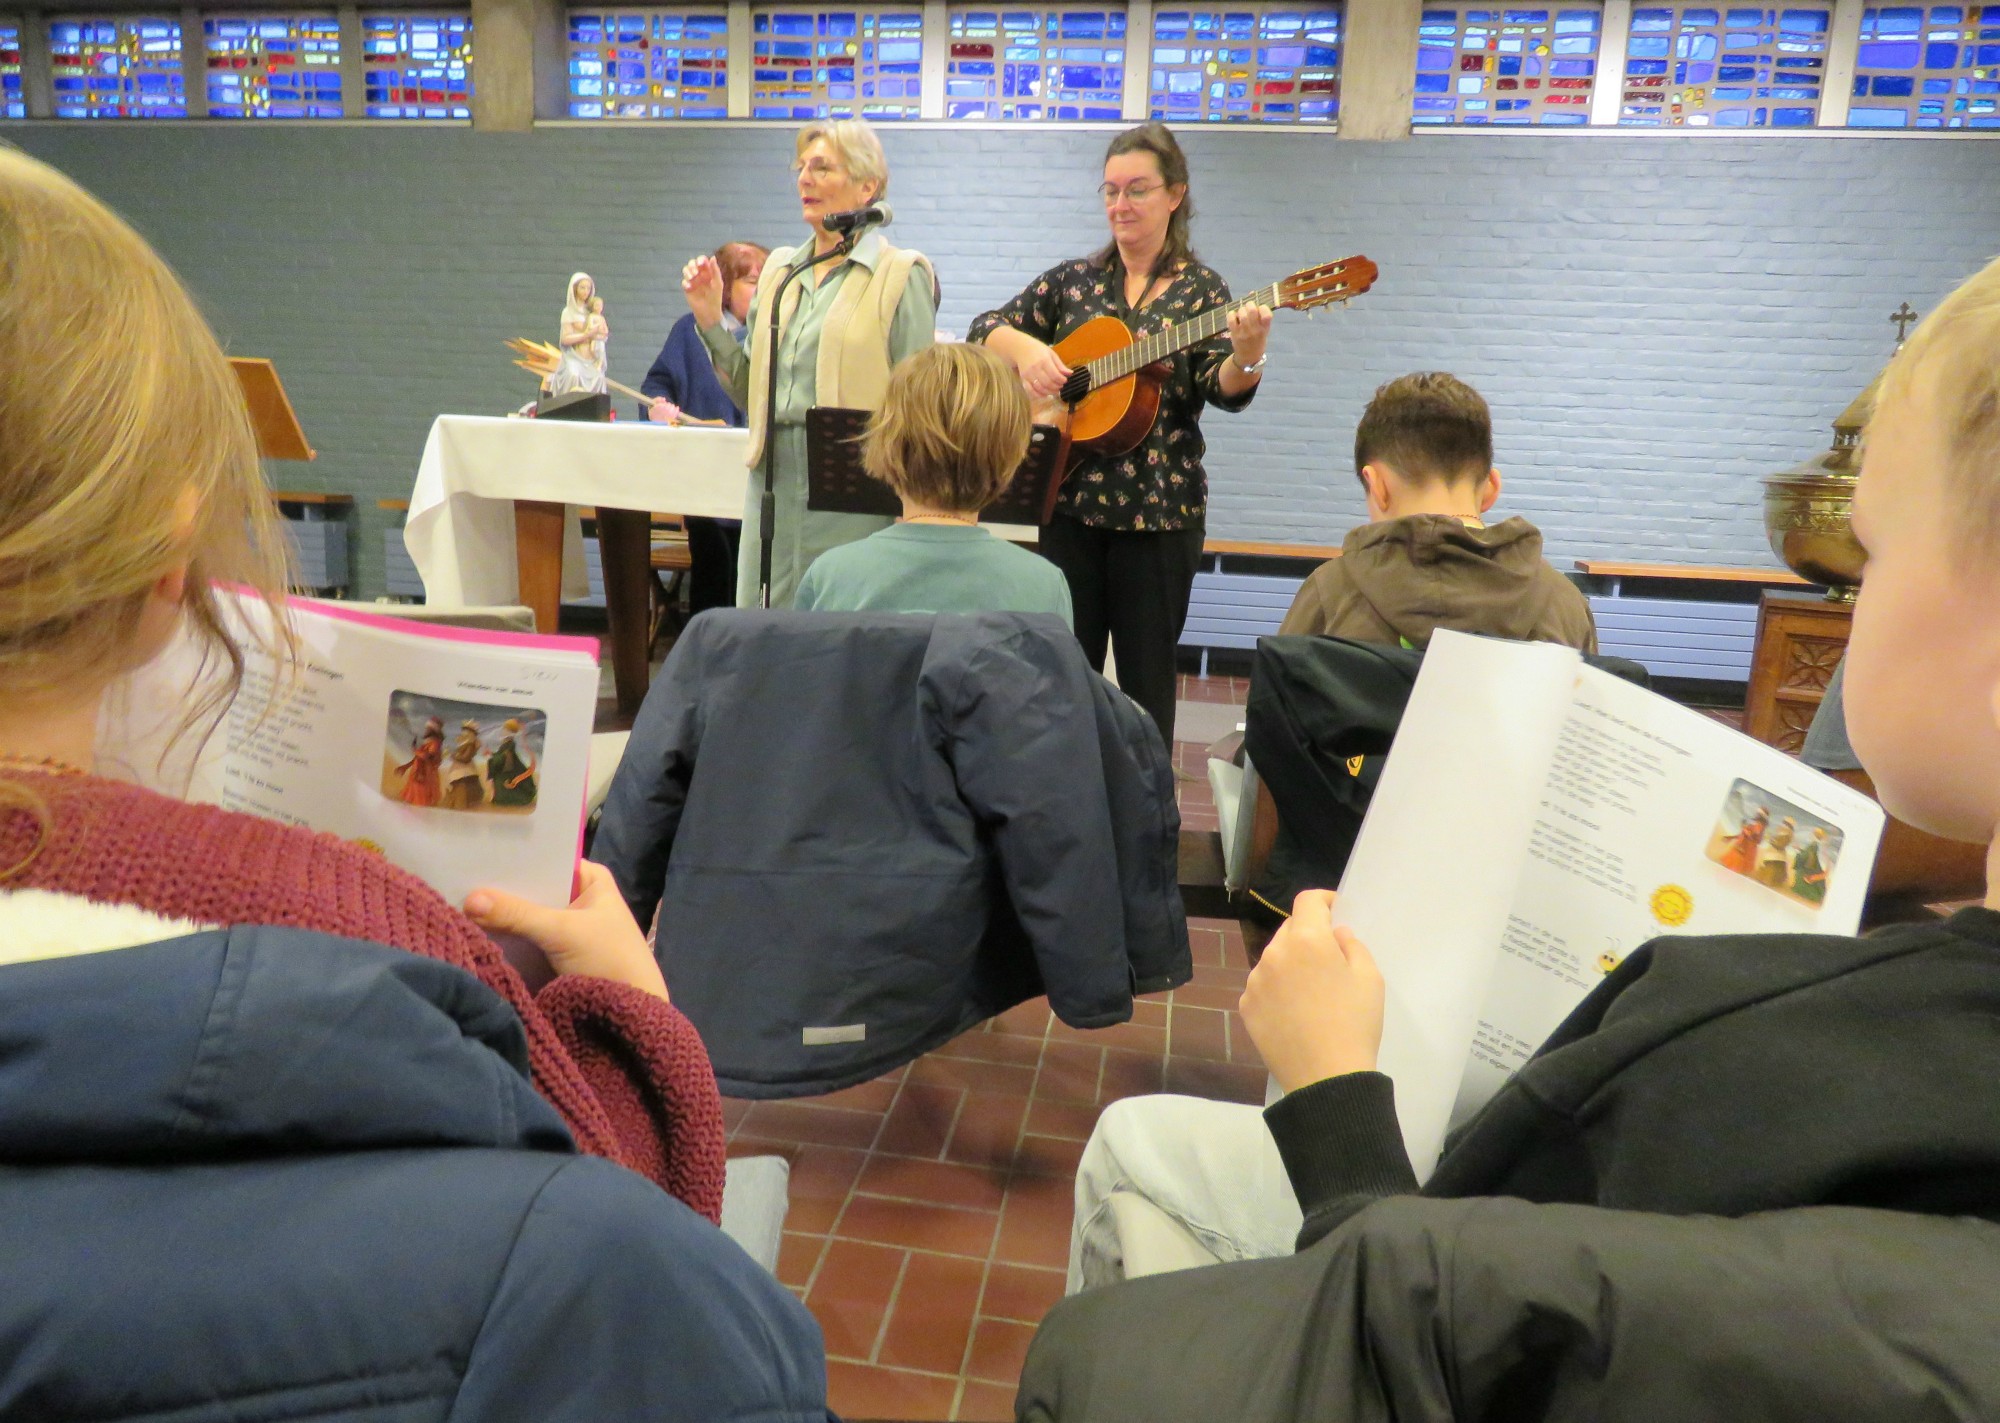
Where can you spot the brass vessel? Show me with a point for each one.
(1808, 508)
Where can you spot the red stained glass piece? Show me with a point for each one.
(1533, 83)
(972, 51)
(1472, 63)
(1506, 84)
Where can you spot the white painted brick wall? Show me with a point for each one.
(1656, 321)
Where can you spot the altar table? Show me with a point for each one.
(486, 520)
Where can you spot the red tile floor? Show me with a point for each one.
(930, 1214)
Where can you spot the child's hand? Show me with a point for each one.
(595, 936)
(1314, 1002)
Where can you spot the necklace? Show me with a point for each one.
(48, 765)
(941, 519)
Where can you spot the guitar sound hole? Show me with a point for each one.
(1076, 387)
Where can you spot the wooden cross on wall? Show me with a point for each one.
(1902, 316)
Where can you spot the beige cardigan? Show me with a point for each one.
(853, 368)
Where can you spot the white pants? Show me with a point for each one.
(1209, 1166)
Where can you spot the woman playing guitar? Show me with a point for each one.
(1127, 528)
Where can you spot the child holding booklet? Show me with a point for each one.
(281, 1129)
(1705, 1092)
(952, 430)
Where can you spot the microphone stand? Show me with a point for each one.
(767, 508)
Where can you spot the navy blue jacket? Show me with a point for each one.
(266, 1174)
(866, 832)
(684, 373)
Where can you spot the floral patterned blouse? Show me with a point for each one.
(1160, 484)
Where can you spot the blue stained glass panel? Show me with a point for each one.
(1249, 63)
(1898, 41)
(273, 66)
(1053, 64)
(12, 105)
(1507, 55)
(1732, 62)
(843, 71)
(117, 67)
(419, 64)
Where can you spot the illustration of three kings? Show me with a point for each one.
(1779, 857)
(451, 780)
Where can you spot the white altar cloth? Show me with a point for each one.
(460, 526)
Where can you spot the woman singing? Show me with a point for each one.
(843, 325)
(1127, 530)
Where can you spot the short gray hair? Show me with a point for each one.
(859, 149)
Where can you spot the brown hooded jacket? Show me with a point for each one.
(1400, 580)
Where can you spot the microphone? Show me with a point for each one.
(874, 215)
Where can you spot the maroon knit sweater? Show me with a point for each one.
(627, 1072)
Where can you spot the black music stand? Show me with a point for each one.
(837, 484)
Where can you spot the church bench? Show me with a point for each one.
(1692, 621)
(1679, 637)
(1232, 610)
(400, 578)
(316, 525)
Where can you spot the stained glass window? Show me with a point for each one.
(117, 67)
(273, 66)
(842, 64)
(1506, 66)
(649, 64)
(1270, 63)
(1045, 63)
(418, 65)
(11, 105)
(1928, 67)
(1730, 68)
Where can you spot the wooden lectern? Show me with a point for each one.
(279, 436)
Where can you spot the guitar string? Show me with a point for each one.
(1161, 344)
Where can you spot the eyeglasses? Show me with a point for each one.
(1136, 192)
(818, 168)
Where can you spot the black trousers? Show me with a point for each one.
(1129, 589)
(712, 551)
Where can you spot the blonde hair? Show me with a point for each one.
(126, 451)
(855, 142)
(1960, 344)
(952, 429)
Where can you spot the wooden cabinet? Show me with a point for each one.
(1800, 640)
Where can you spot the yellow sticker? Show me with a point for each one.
(371, 847)
(1672, 905)
(1354, 765)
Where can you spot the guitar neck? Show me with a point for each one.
(1173, 339)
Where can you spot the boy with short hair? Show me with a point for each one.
(952, 430)
(1425, 559)
(1610, 1235)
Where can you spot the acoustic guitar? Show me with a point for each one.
(1112, 396)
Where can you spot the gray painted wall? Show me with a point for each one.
(1656, 321)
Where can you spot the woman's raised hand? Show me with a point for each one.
(701, 282)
